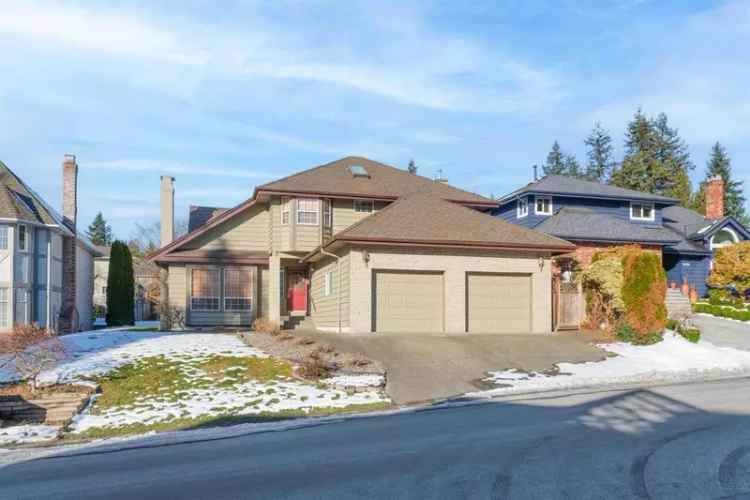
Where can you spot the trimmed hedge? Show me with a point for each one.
(691, 334)
(720, 297)
(120, 286)
(722, 311)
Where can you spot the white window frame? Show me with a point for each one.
(25, 247)
(4, 307)
(729, 230)
(285, 210)
(316, 211)
(217, 298)
(229, 297)
(4, 236)
(363, 206)
(537, 199)
(327, 283)
(651, 218)
(522, 208)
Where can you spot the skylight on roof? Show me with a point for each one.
(358, 171)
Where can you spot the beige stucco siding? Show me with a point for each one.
(454, 264)
(247, 231)
(345, 216)
(325, 309)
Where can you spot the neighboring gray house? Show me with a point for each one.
(46, 267)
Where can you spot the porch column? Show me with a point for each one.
(274, 288)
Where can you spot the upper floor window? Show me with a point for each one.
(724, 238)
(308, 211)
(642, 211)
(366, 206)
(23, 238)
(522, 210)
(543, 205)
(3, 237)
(285, 210)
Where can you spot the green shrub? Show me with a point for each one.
(643, 293)
(720, 297)
(673, 324)
(691, 334)
(120, 286)
(722, 312)
(624, 332)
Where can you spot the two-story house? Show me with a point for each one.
(46, 266)
(359, 246)
(594, 215)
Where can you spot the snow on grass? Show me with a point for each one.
(90, 354)
(672, 359)
(150, 379)
(356, 381)
(28, 433)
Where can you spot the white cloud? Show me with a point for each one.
(411, 63)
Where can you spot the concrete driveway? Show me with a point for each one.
(429, 367)
(723, 332)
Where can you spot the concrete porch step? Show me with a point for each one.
(297, 323)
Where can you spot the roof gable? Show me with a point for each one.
(570, 186)
(381, 181)
(18, 201)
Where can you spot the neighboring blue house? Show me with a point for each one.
(594, 215)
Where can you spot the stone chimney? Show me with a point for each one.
(69, 318)
(714, 196)
(167, 210)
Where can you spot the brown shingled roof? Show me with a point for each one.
(383, 182)
(424, 219)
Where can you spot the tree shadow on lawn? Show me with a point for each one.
(637, 443)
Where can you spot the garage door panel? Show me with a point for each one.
(408, 301)
(499, 303)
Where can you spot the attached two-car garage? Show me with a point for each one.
(414, 301)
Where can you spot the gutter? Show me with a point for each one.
(338, 288)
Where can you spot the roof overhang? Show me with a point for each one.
(617, 241)
(208, 259)
(514, 196)
(338, 243)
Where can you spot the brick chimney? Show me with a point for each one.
(167, 210)
(714, 196)
(69, 319)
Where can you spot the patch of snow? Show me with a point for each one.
(355, 381)
(672, 359)
(27, 433)
(94, 353)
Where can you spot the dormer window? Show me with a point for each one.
(642, 211)
(543, 205)
(522, 210)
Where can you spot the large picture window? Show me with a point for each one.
(205, 290)
(308, 211)
(237, 289)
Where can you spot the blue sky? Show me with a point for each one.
(225, 98)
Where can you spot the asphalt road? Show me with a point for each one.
(682, 442)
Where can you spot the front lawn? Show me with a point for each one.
(158, 382)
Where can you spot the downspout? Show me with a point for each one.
(338, 288)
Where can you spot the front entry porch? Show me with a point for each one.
(289, 292)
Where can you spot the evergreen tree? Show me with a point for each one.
(656, 159)
(719, 164)
(555, 164)
(99, 232)
(673, 154)
(120, 286)
(572, 167)
(599, 153)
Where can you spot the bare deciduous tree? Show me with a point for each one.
(146, 238)
(31, 349)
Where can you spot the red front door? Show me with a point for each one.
(297, 291)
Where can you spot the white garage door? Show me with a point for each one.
(498, 303)
(408, 301)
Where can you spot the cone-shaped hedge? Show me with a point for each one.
(643, 291)
(120, 286)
